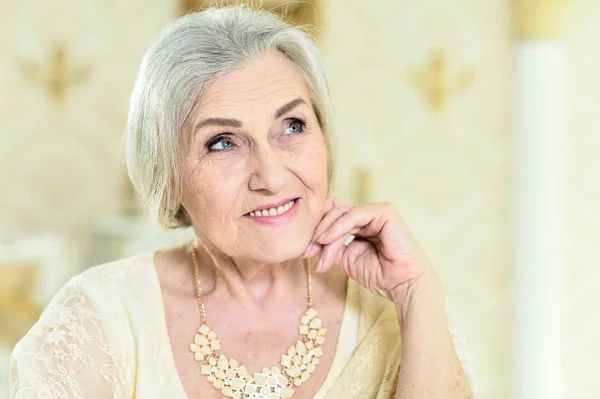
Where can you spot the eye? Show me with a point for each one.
(220, 144)
(296, 126)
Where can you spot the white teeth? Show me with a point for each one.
(280, 210)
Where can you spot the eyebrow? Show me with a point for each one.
(284, 109)
(218, 122)
(288, 107)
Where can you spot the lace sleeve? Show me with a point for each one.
(461, 350)
(67, 353)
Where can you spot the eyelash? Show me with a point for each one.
(216, 140)
(300, 122)
(222, 137)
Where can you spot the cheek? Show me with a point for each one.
(311, 168)
(208, 194)
(314, 166)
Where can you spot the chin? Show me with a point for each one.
(279, 253)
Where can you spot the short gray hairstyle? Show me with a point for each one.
(191, 54)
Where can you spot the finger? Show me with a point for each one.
(332, 212)
(330, 253)
(346, 256)
(328, 219)
(312, 250)
(364, 221)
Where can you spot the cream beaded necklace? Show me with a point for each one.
(234, 381)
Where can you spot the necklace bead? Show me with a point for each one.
(233, 380)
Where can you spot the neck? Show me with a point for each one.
(252, 284)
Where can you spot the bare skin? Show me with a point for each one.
(256, 332)
(270, 151)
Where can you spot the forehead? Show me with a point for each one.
(261, 85)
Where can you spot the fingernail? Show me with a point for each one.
(308, 250)
(319, 265)
(321, 236)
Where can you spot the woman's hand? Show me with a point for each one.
(384, 256)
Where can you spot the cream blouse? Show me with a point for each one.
(102, 336)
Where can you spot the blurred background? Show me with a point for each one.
(479, 119)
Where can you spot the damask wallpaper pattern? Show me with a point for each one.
(62, 165)
(447, 170)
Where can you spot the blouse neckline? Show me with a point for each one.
(337, 365)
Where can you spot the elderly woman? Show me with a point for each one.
(230, 133)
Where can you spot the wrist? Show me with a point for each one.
(418, 298)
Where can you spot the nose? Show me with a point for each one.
(269, 173)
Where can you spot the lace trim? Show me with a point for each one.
(67, 353)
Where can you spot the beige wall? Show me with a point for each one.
(61, 162)
(447, 170)
(581, 346)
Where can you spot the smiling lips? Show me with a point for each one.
(280, 210)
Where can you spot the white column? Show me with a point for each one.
(538, 209)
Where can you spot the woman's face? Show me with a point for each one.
(254, 149)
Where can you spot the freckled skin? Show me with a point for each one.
(264, 165)
(256, 315)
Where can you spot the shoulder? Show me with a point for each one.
(110, 281)
(113, 274)
(103, 292)
(94, 304)
(81, 338)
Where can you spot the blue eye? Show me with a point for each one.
(297, 126)
(222, 144)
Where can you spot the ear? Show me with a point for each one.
(182, 217)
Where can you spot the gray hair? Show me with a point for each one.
(191, 54)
